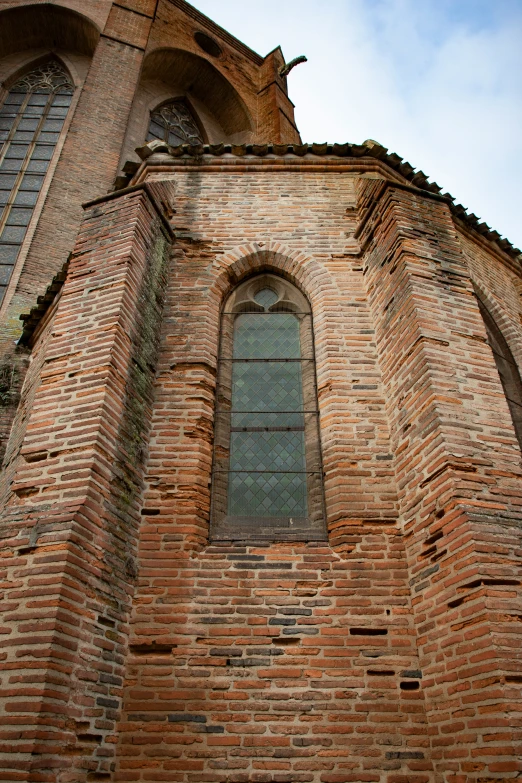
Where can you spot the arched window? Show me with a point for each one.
(173, 122)
(507, 369)
(31, 119)
(267, 476)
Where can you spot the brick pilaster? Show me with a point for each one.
(276, 123)
(71, 525)
(458, 469)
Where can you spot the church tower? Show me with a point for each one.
(261, 425)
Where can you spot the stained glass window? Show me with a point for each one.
(267, 480)
(31, 119)
(173, 122)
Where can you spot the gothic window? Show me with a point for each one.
(267, 476)
(31, 119)
(173, 122)
(507, 369)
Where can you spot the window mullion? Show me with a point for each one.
(23, 168)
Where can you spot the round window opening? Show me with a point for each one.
(207, 44)
(266, 297)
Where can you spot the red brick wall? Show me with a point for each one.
(283, 663)
(458, 474)
(69, 531)
(389, 654)
(132, 649)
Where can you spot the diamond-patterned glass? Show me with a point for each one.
(267, 451)
(267, 463)
(267, 495)
(266, 419)
(266, 336)
(266, 386)
(266, 298)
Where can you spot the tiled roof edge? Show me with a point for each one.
(367, 149)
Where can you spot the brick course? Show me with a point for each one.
(70, 529)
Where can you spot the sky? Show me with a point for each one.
(439, 82)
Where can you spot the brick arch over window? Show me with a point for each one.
(506, 366)
(195, 76)
(267, 473)
(309, 275)
(46, 26)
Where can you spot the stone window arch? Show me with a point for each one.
(175, 123)
(267, 475)
(507, 368)
(31, 120)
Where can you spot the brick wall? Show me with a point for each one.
(389, 654)
(69, 532)
(134, 649)
(282, 663)
(458, 474)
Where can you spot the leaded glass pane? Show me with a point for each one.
(38, 166)
(266, 419)
(31, 182)
(25, 198)
(7, 180)
(19, 217)
(17, 151)
(266, 386)
(174, 123)
(267, 495)
(266, 298)
(263, 485)
(10, 165)
(267, 336)
(5, 273)
(34, 111)
(13, 99)
(12, 234)
(8, 253)
(276, 451)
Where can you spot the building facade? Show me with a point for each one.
(260, 408)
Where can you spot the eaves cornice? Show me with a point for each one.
(158, 155)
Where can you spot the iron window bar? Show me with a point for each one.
(263, 312)
(283, 472)
(264, 411)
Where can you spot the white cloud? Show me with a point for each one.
(436, 81)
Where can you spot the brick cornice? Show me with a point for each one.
(146, 188)
(319, 157)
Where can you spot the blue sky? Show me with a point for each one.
(439, 82)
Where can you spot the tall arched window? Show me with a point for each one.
(507, 369)
(267, 476)
(31, 119)
(174, 123)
